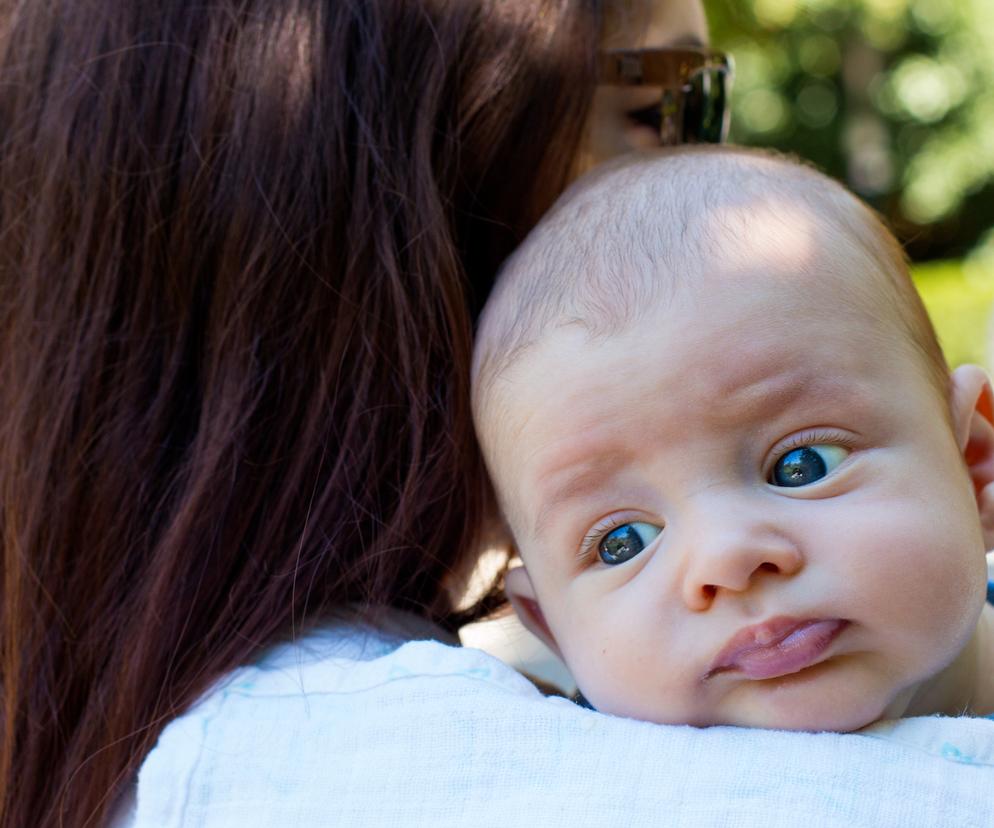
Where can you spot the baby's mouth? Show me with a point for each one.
(777, 647)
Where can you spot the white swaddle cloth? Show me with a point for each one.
(349, 729)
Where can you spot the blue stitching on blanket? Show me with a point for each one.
(953, 754)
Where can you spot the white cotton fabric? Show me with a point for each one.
(351, 728)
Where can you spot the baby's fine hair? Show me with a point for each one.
(623, 235)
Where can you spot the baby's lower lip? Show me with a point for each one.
(800, 648)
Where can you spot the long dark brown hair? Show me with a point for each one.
(240, 242)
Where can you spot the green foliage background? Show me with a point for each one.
(896, 99)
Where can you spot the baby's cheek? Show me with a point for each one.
(619, 686)
(620, 656)
(642, 692)
(919, 580)
(608, 665)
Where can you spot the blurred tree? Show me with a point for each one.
(894, 97)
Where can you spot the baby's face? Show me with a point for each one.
(746, 507)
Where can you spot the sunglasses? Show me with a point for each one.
(696, 82)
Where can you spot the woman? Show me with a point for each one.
(236, 244)
(241, 245)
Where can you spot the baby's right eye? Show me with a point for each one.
(625, 542)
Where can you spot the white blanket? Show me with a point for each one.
(344, 729)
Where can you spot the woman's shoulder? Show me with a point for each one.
(353, 727)
(273, 733)
(337, 667)
(347, 659)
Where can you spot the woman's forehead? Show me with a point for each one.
(651, 23)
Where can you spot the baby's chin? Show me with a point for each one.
(807, 720)
(774, 708)
(814, 719)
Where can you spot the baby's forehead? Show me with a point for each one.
(738, 336)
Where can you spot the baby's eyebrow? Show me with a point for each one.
(575, 481)
(755, 386)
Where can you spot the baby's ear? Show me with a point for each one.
(972, 404)
(521, 594)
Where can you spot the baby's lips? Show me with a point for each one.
(776, 647)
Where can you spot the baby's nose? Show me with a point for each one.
(732, 556)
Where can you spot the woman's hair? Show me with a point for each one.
(240, 242)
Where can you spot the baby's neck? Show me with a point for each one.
(965, 687)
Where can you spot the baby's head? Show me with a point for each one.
(744, 485)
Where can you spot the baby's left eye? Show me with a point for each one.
(807, 464)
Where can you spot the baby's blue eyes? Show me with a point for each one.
(626, 541)
(801, 466)
(807, 464)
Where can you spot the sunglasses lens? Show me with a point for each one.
(705, 109)
(695, 84)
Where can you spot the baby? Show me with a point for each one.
(744, 485)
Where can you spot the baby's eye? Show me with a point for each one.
(626, 541)
(806, 464)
